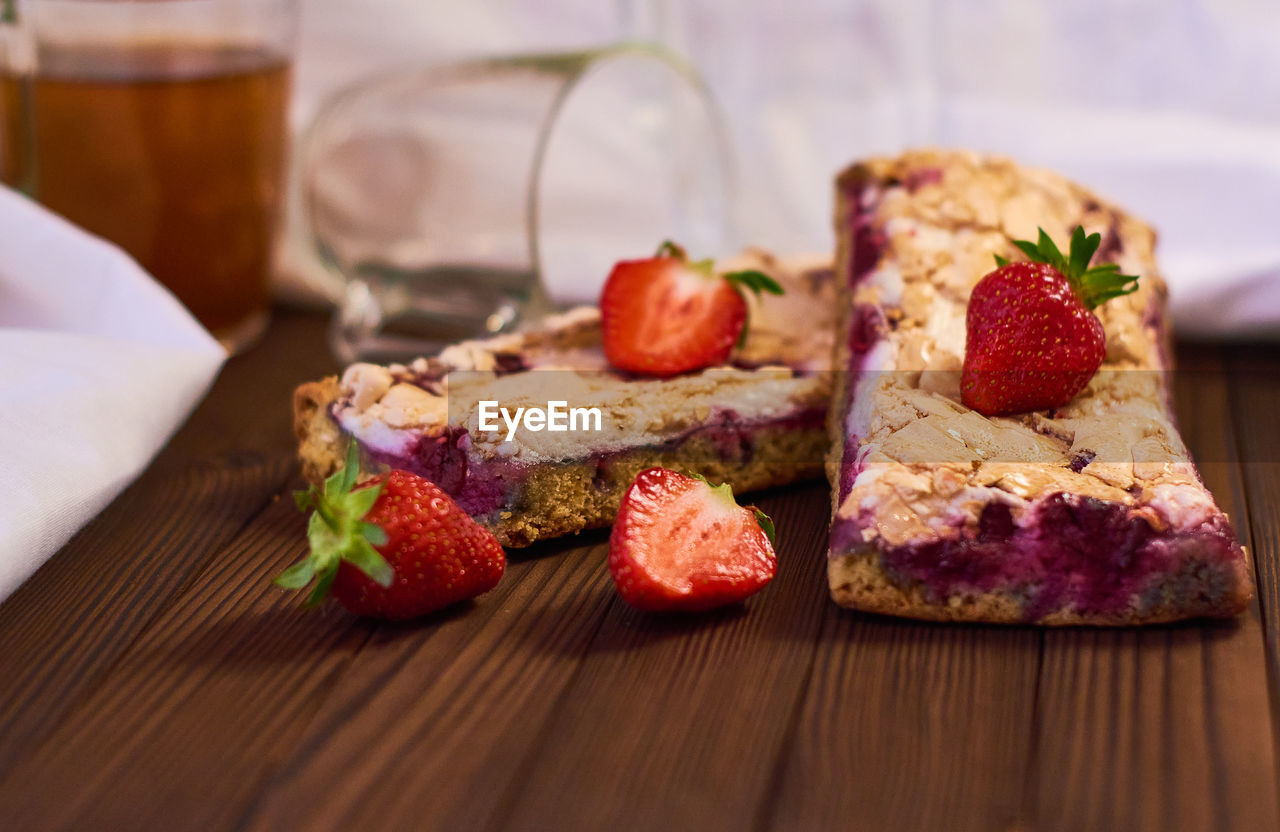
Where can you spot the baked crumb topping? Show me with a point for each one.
(927, 464)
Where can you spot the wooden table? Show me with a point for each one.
(151, 677)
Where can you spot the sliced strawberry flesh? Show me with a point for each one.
(663, 317)
(679, 543)
(696, 533)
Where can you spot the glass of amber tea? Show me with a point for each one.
(161, 126)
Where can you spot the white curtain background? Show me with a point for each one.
(1169, 107)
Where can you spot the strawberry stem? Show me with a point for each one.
(337, 532)
(670, 249)
(766, 524)
(1094, 286)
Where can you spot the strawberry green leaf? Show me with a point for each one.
(670, 249)
(1029, 248)
(1082, 250)
(298, 575)
(323, 515)
(766, 523)
(360, 501)
(322, 587)
(374, 533)
(1051, 254)
(1094, 285)
(365, 558)
(337, 532)
(755, 281)
(722, 490)
(351, 468)
(1001, 262)
(304, 500)
(705, 267)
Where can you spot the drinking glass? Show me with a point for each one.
(161, 126)
(462, 200)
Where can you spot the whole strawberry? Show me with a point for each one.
(680, 543)
(665, 315)
(396, 547)
(1033, 342)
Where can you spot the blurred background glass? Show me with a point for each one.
(458, 200)
(1171, 109)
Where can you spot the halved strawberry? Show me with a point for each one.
(665, 315)
(680, 543)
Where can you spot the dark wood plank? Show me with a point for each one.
(1255, 403)
(444, 732)
(73, 618)
(190, 719)
(1165, 727)
(164, 683)
(911, 726)
(432, 723)
(62, 628)
(676, 722)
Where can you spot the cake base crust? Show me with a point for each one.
(858, 582)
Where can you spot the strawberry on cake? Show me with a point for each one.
(749, 409)
(981, 469)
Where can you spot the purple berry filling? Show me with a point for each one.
(483, 486)
(1077, 553)
(866, 326)
(443, 460)
(1081, 554)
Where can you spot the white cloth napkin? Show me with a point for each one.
(99, 364)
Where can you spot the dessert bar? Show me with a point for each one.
(755, 423)
(1090, 513)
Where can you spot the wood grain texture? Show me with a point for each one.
(85, 606)
(161, 682)
(908, 725)
(434, 720)
(68, 623)
(1255, 405)
(674, 722)
(185, 724)
(1167, 727)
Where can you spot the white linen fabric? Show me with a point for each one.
(99, 364)
(1170, 108)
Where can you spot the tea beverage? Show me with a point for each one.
(174, 151)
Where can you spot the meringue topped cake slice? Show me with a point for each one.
(756, 421)
(1090, 512)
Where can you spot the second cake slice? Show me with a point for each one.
(757, 421)
(1091, 513)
